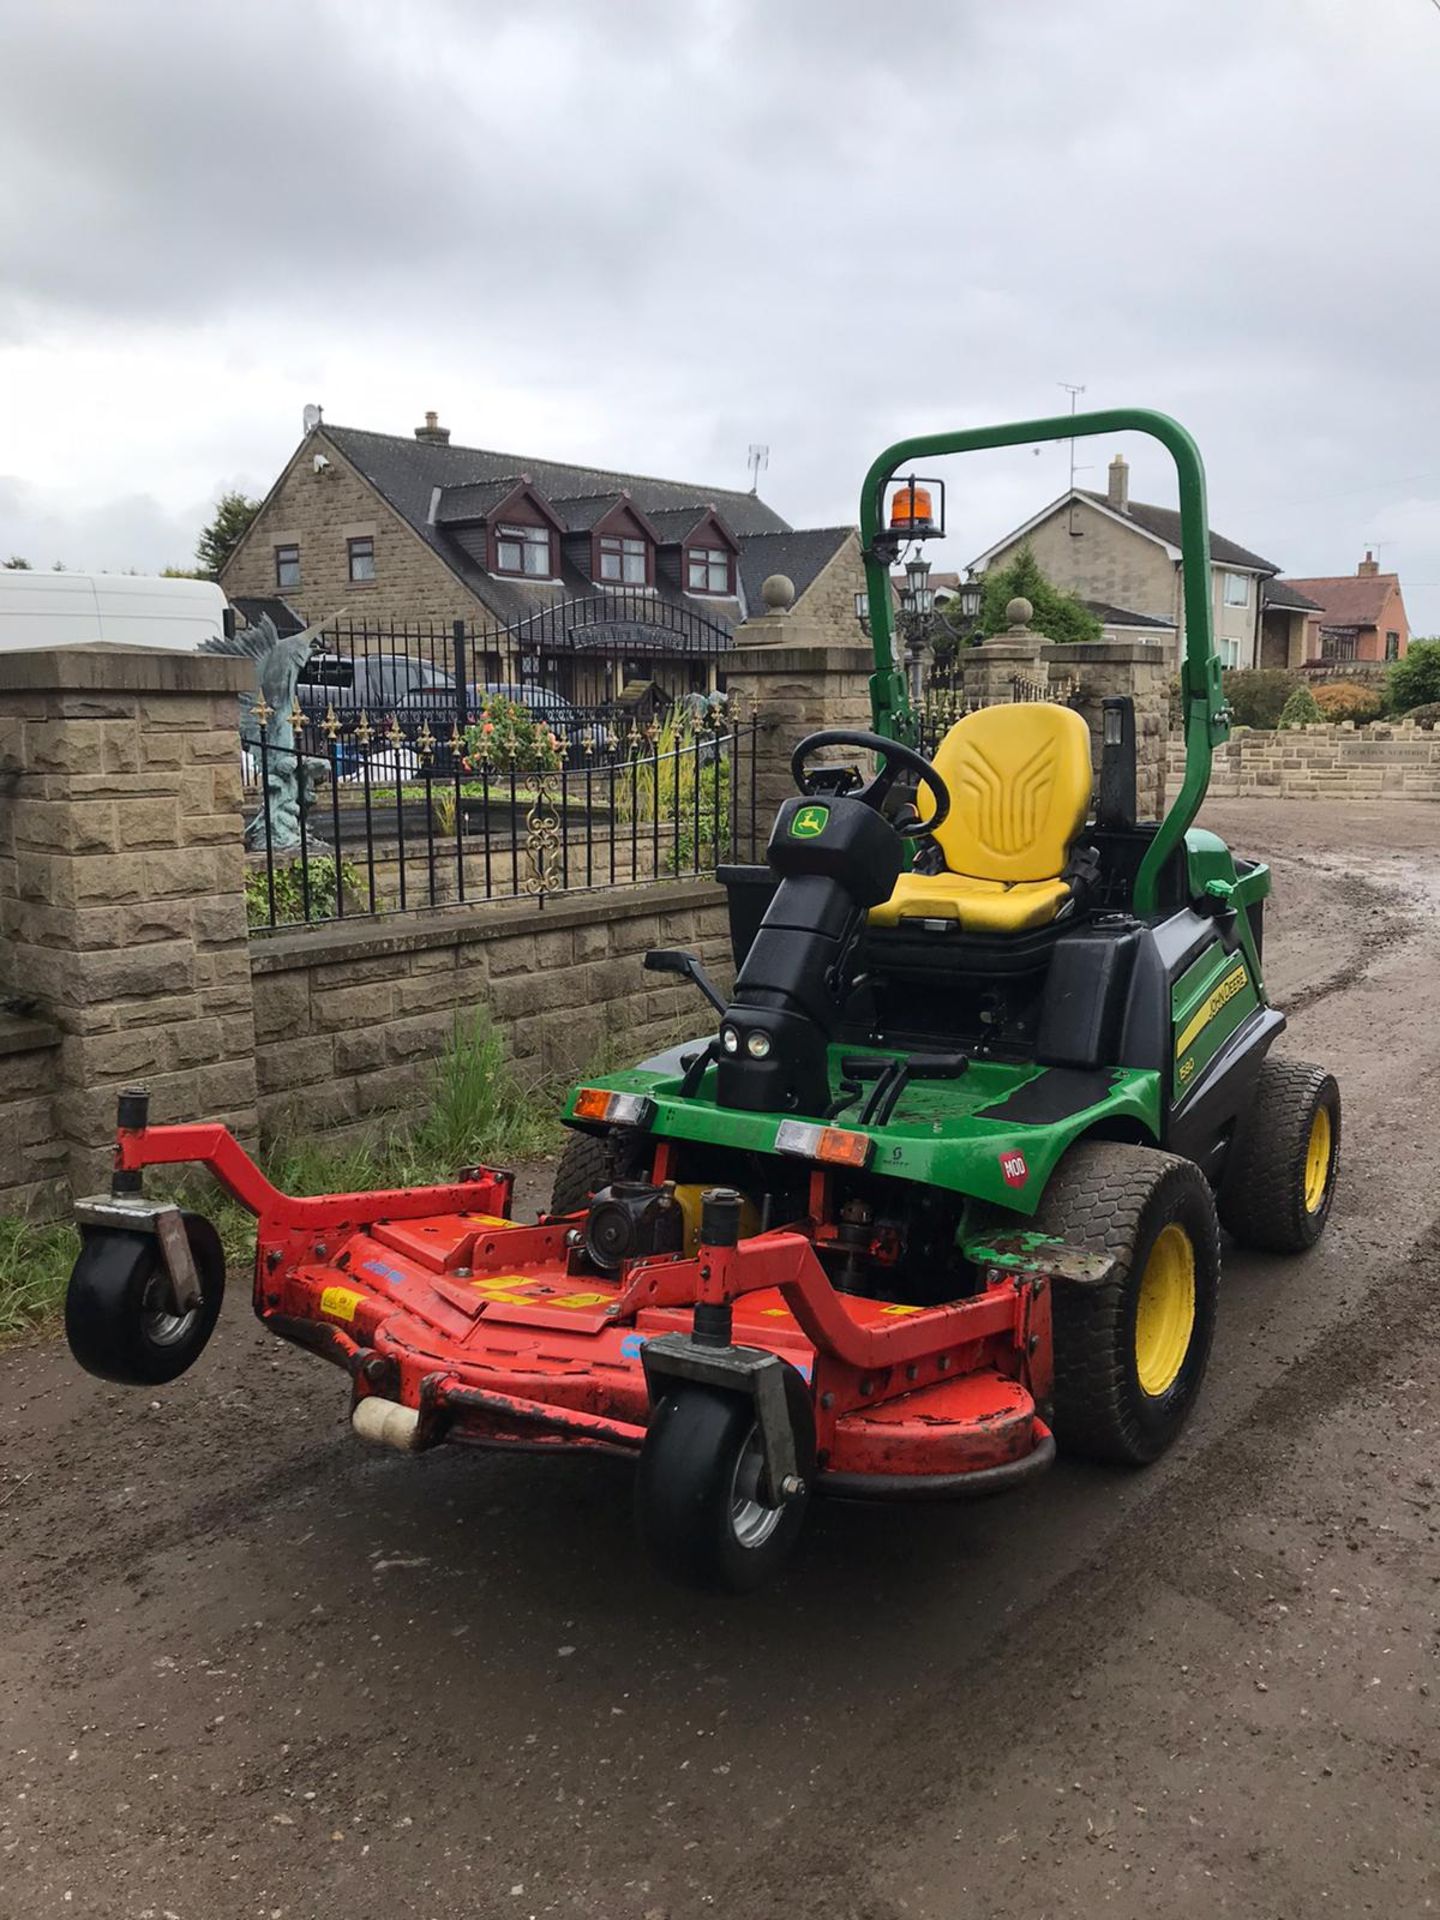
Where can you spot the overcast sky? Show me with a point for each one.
(646, 233)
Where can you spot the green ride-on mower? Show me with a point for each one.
(940, 1189)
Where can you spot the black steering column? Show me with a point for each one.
(836, 855)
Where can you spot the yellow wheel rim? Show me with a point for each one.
(1317, 1161)
(1165, 1314)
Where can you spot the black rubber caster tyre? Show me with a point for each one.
(119, 1320)
(697, 1491)
(1130, 1355)
(592, 1161)
(1279, 1177)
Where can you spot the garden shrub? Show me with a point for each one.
(1300, 710)
(1349, 700)
(508, 735)
(292, 881)
(1257, 695)
(1415, 680)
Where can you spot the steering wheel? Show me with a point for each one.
(895, 758)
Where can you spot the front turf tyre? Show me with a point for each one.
(1130, 1354)
(591, 1161)
(1279, 1177)
(120, 1320)
(699, 1501)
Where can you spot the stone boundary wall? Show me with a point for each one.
(32, 1154)
(350, 1019)
(1399, 762)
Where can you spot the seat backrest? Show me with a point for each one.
(1019, 779)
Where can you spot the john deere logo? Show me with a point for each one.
(809, 823)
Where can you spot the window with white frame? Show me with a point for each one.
(1229, 651)
(707, 570)
(523, 550)
(1237, 589)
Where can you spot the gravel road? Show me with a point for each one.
(249, 1668)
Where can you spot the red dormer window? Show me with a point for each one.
(624, 561)
(524, 550)
(709, 570)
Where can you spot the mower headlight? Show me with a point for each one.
(730, 1039)
(619, 1109)
(836, 1146)
(757, 1045)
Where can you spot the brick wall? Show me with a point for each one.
(321, 512)
(1306, 763)
(349, 1020)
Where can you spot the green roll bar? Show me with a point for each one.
(1207, 721)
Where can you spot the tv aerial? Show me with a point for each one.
(757, 459)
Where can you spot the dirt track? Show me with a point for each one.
(248, 1668)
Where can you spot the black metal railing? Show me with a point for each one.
(580, 665)
(944, 701)
(397, 820)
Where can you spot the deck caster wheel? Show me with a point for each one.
(699, 1494)
(120, 1318)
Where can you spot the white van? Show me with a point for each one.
(128, 609)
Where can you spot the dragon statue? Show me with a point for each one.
(267, 732)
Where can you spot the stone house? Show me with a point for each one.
(402, 529)
(1124, 555)
(1356, 616)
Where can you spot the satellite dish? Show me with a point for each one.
(311, 417)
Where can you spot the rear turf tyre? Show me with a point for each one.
(1130, 1355)
(698, 1499)
(591, 1161)
(119, 1320)
(1279, 1177)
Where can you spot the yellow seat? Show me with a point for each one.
(1019, 780)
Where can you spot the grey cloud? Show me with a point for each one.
(817, 224)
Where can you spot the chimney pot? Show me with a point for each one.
(1369, 564)
(1117, 493)
(432, 431)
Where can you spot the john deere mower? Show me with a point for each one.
(938, 1188)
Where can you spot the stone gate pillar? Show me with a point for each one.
(122, 884)
(1141, 668)
(992, 668)
(797, 679)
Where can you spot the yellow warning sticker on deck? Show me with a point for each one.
(340, 1303)
(899, 1309)
(505, 1282)
(580, 1300)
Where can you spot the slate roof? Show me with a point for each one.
(1348, 599)
(579, 512)
(799, 553)
(250, 606)
(673, 523)
(462, 505)
(1164, 523)
(406, 472)
(1285, 594)
(1126, 617)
